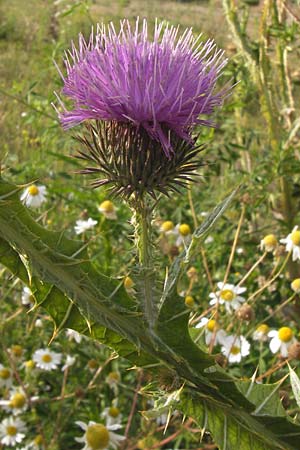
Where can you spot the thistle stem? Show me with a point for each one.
(145, 254)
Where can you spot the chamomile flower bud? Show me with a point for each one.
(108, 209)
(29, 365)
(295, 285)
(189, 301)
(269, 243)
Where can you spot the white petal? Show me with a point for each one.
(82, 425)
(275, 344)
(273, 333)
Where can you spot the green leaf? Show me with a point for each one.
(65, 282)
(232, 428)
(295, 383)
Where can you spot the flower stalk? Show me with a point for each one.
(143, 238)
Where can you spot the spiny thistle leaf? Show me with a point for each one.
(234, 429)
(89, 302)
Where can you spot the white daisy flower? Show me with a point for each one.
(113, 379)
(184, 233)
(12, 431)
(34, 196)
(292, 243)
(211, 329)
(36, 444)
(261, 333)
(108, 209)
(167, 228)
(27, 297)
(228, 295)
(98, 436)
(112, 415)
(6, 377)
(281, 340)
(235, 348)
(72, 334)
(83, 225)
(269, 243)
(46, 359)
(16, 403)
(69, 362)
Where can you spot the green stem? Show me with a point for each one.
(145, 253)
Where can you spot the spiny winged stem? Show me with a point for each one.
(143, 239)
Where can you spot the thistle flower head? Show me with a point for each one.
(166, 84)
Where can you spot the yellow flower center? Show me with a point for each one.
(47, 358)
(211, 325)
(29, 364)
(189, 301)
(11, 430)
(128, 283)
(285, 334)
(235, 350)
(17, 401)
(107, 206)
(4, 374)
(296, 285)
(33, 190)
(184, 229)
(17, 350)
(97, 436)
(227, 295)
(270, 240)
(38, 440)
(263, 328)
(295, 237)
(168, 225)
(92, 363)
(114, 377)
(113, 411)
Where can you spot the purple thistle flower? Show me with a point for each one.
(160, 85)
